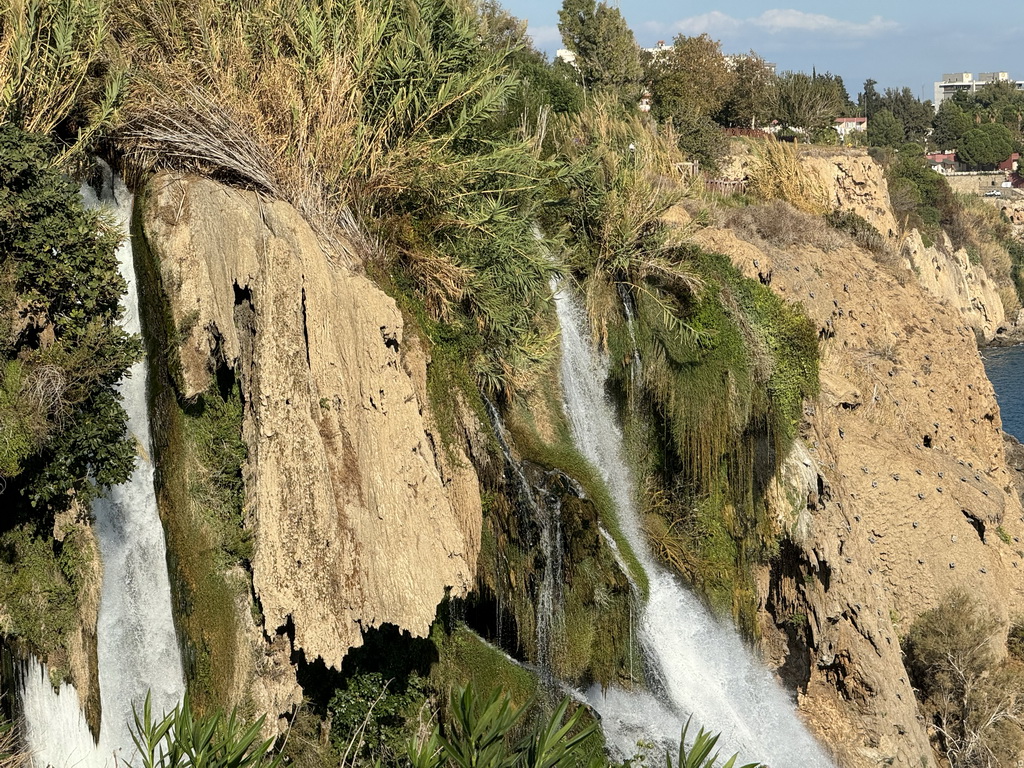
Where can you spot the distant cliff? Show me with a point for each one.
(904, 490)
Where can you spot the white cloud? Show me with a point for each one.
(545, 38)
(779, 20)
(715, 22)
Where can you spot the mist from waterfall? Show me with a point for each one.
(700, 667)
(137, 647)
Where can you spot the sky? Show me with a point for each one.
(894, 42)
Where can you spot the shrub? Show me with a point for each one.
(975, 702)
(64, 425)
(479, 734)
(698, 754)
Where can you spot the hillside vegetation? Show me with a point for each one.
(430, 146)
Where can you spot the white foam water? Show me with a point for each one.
(137, 647)
(702, 667)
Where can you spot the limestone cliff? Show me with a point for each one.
(855, 182)
(905, 488)
(360, 518)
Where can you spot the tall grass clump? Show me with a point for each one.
(11, 753)
(620, 177)
(777, 174)
(57, 76)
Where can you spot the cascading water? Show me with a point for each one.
(137, 647)
(701, 667)
(636, 368)
(546, 514)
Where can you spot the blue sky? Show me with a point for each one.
(896, 42)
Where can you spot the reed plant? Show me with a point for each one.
(778, 174)
(11, 753)
(57, 74)
(377, 121)
(622, 173)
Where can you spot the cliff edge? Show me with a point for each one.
(909, 494)
(360, 518)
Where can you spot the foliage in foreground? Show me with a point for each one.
(11, 756)
(479, 732)
(182, 738)
(699, 753)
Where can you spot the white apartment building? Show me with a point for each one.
(958, 82)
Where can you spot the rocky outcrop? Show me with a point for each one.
(360, 517)
(912, 496)
(855, 182)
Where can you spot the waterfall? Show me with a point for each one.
(137, 647)
(636, 368)
(546, 514)
(701, 668)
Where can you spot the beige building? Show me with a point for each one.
(966, 82)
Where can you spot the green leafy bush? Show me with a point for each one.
(64, 425)
(698, 754)
(370, 715)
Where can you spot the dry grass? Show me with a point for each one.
(12, 755)
(779, 224)
(334, 105)
(777, 174)
(56, 76)
(624, 175)
(983, 230)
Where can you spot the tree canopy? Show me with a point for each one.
(690, 77)
(988, 144)
(805, 102)
(607, 55)
(884, 130)
(746, 105)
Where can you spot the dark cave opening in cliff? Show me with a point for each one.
(393, 654)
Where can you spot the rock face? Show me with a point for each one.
(949, 276)
(855, 182)
(912, 498)
(360, 517)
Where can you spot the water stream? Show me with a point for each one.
(546, 513)
(136, 643)
(699, 666)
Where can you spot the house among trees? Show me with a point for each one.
(847, 126)
(944, 162)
